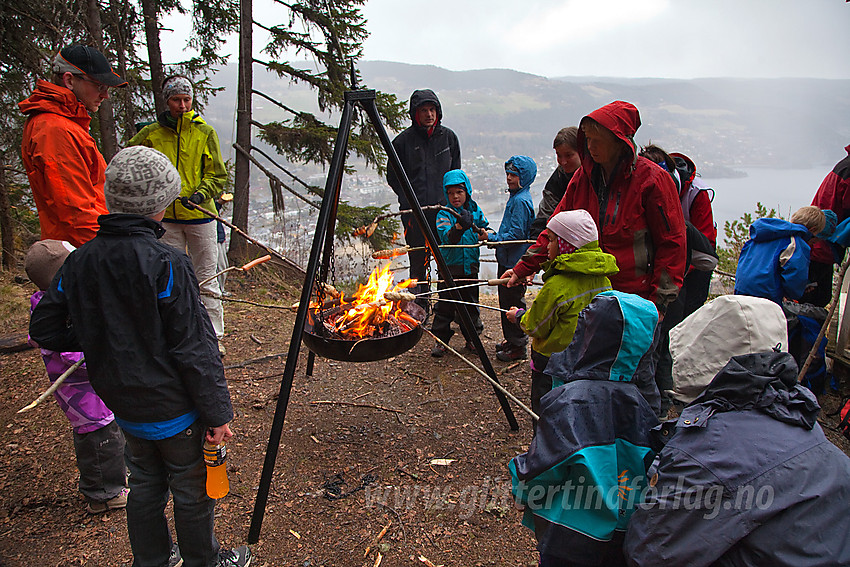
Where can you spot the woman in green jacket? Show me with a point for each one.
(577, 270)
(192, 146)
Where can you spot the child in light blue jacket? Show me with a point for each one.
(520, 172)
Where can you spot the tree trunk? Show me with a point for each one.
(150, 14)
(105, 116)
(119, 18)
(241, 189)
(7, 237)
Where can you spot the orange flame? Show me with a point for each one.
(369, 308)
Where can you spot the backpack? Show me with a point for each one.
(701, 254)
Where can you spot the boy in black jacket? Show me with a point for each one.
(131, 304)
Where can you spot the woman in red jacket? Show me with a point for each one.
(634, 204)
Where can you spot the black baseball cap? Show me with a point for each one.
(82, 59)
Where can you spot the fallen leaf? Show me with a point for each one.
(442, 462)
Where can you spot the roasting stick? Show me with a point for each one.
(395, 252)
(410, 296)
(53, 387)
(407, 296)
(495, 384)
(244, 268)
(369, 230)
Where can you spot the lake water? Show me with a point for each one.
(785, 190)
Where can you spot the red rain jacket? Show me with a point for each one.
(64, 166)
(833, 194)
(640, 219)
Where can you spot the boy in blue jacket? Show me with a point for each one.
(774, 262)
(520, 172)
(468, 227)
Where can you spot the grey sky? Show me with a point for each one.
(618, 38)
(621, 38)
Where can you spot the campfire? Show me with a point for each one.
(369, 314)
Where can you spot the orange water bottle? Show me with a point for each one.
(214, 456)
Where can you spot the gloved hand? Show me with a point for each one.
(189, 202)
(465, 220)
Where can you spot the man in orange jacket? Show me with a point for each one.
(64, 166)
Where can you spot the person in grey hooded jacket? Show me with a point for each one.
(747, 477)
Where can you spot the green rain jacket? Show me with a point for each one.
(194, 150)
(571, 283)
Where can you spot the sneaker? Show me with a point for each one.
(239, 557)
(438, 351)
(502, 345)
(175, 559)
(512, 353)
(115, 503)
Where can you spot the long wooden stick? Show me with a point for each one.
(53, 387)
(190, 205)
(495, 384)
(835, 295)
(481, 305)
(395, 252)
(244, 268)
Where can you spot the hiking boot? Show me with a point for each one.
(239, 557)
(115, 503)
(502, 345)
(439, 351)
(175, 559)
(511, 353)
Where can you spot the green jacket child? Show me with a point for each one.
(577, 270)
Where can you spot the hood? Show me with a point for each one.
(420, 97)
(686, 167)
(589, 260)
(612, 340)
(770, 229)
(727, 326)
(622, 118)
(126, 223)
(457, 177)
(766, 382)
(48, 97)
(527, 170)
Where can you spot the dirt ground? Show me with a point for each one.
(355, 483)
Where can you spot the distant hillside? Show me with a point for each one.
(723, 124)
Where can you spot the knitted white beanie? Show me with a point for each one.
(141, 181)
(576, 227)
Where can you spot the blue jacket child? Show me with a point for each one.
(519, 212)
(520, 172)
(774, 262)
(467, 227)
